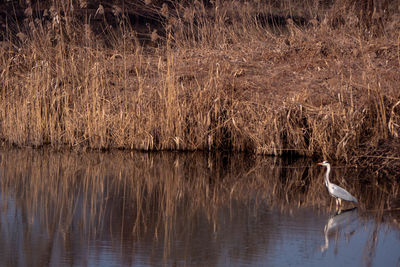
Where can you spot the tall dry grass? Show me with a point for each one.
(236, 76)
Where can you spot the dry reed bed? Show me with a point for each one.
(216, 81)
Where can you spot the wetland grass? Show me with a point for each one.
(323, 82)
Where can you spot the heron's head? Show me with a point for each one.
(324, 163)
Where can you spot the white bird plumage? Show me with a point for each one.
(335, 190)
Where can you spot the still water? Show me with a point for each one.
(188, 209)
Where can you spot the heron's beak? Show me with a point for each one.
(319, 163)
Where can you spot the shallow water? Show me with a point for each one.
(140, 209)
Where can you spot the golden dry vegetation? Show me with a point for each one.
(310, 78)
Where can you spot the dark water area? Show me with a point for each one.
(196, 209)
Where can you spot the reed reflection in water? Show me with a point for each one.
(124, 208)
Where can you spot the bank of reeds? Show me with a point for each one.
(235, 76)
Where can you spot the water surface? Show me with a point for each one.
(141, 209)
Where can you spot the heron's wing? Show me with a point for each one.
(339, 192)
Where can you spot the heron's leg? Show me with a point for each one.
(336, 203)
(340, 202)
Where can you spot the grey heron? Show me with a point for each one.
(335, 190)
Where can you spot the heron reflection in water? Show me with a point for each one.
(335, 190)
(343, 221)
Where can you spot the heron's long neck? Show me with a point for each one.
(328, 171)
